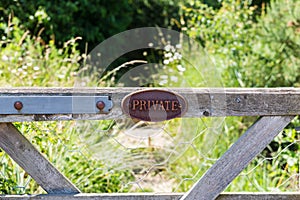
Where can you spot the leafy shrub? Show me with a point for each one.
(225, 33)
(162, 13)
(92, 20)
(250, 51)
(262, 54)
(276, 48)
(254, 51)
(27, 61)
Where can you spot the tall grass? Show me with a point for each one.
(103, 156)
(26, 60)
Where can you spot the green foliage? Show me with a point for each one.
(252, 52)
(251, 46)
(276, 168)
(226, 34)
(255, 51)
(277, 46)
(92, 20)
(60, 142)
(26, 60)
(6, 186)
(13, 180)
(162, 13)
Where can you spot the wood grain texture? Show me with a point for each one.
(34, 163)
(202, 102)
(240, 154)
(259, 196)
(152, 196)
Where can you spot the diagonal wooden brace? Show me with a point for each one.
(240, 154)
(33, 162)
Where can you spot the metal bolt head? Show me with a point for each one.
(100, 105)
(18, 105)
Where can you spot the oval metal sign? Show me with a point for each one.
(154, 105)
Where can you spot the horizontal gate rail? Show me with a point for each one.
(156, 196)
(202, 102)
(278, 106)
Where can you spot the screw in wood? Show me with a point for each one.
(18, 105)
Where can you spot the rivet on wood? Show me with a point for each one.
(18, 105)
(100, 105)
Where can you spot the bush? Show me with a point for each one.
(27, 61)
(276, 48)
(92, 20)
(252, 52)
(255, 51)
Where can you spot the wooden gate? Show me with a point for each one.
(277, 106)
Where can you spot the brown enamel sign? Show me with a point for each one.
(154, 105)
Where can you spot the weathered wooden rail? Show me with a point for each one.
(278, 106)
